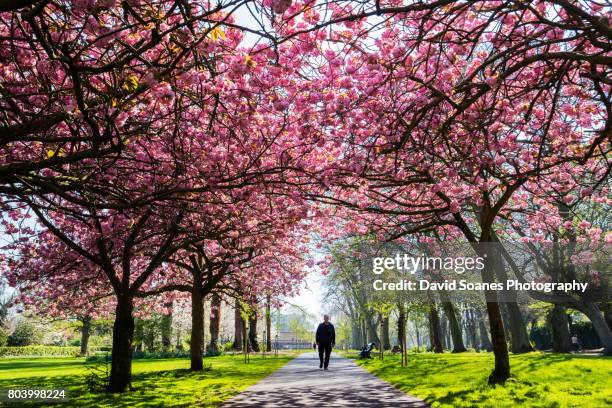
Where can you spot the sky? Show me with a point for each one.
(310, 297)
(312, 290)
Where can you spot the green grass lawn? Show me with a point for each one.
(163, 382)
(538, 379)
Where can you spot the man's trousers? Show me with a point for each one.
(324, 348)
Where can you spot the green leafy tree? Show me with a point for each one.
(25, 334)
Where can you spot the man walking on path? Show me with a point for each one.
(326, 339)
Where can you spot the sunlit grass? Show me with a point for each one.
(157, 383)
(538, 379)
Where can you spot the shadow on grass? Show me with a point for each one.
(538, 380)
(178, 387)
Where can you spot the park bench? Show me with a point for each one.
(366, 351)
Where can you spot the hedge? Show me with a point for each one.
(40, 351)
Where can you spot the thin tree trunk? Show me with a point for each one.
(85, 331)
(404, 343)
(364, 332)
(268, 325)
(471, 328)
(382, 336)
(166, 328)
(123, 332)
(238, 326)
(431, 335)
(215, 323)
(401, 334)
(444, 333)
(245, 342)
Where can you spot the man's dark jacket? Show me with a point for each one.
(326, 333)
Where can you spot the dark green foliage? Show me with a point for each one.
(541, 336)
(587, 336)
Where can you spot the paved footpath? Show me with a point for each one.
(300, 383)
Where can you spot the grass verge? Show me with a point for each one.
(538, 379)
(157, 383)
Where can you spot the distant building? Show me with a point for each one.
(288, 340)
(290, 336)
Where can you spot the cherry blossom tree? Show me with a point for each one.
(203, 139)
(441, 114)
(141, 132)
(562, 220)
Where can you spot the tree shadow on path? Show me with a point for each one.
(301, 384)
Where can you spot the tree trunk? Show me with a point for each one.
(485, 341)
(443, 332)
(85, 331)
(434, 325)
(197, 327)
(385, 333)
(166, 328)
(253, 332)
(364, 332)
(516, 325)
(372, 332)
(382, 335)
(238, 326)
(592, 311)
(607, 309)
(356, 341)
(215, 323)
(401, 334)
(123, 332)
(401, 325)
(245, 343)
(471, 328)
(268, 325)
(501, 372)
(560, 330)
(518, 330)
(449, 311)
